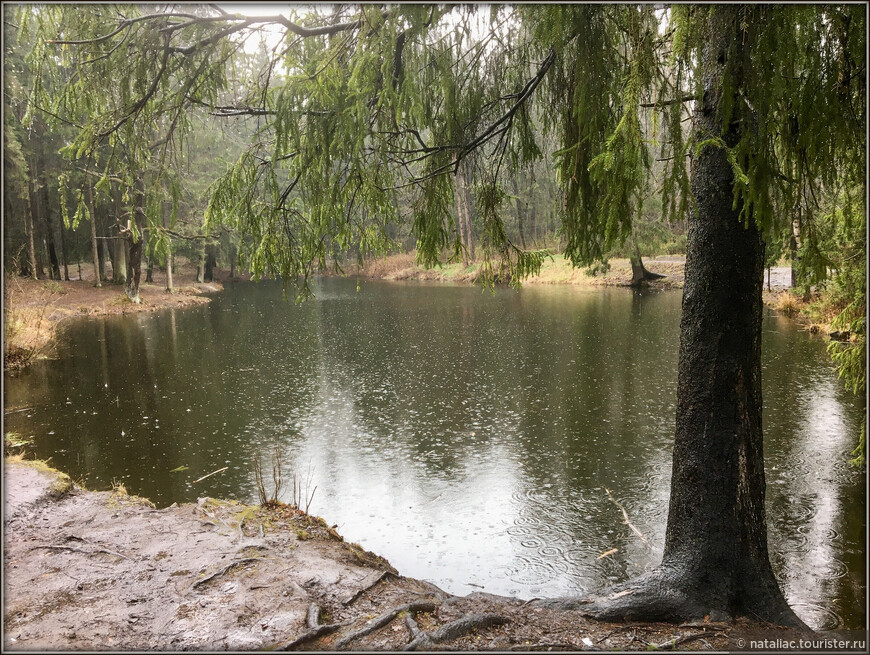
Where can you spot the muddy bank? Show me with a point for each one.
(89, 570)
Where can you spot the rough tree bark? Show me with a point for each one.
(715, 561)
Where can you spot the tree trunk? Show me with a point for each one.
(94, 243)
(715, 562)
(795, 245)
(639, 274)
(31, 247)
(460, 222)
(210, 263)
(134, 260)
(200, 265)
(533, 223)
(169, 288)
(119, 261)
(458, 184)
(149, 270)
(466, 205)
(119, 243)
(63, 252)
(45, 213)
(520, 213)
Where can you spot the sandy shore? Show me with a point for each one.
(88, 570)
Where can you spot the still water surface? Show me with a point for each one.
(466, 436)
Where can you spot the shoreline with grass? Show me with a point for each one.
(35, 309)
(555, 270)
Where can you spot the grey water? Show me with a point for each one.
(469, 437)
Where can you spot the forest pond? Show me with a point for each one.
(469, 437)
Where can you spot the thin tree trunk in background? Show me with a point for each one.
(520, 212)
(64, 252)
(533, 223)
(136, 243)
(119, 243)
(466, 205)
(45, 214)
(31, 245)
(795, 245)
(94, 243)
(119, 271)
(149, 269)
(169, 287)
(459, 217)
(464, 210)
(200, 264)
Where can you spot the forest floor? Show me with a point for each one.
(88, 570)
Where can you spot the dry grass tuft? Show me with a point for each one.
(788, 304)
(385, 267)
(28, 334)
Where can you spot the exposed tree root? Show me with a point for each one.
(384, 619)
(658, 597)
(382, 576)
(82, 550)
(453, 630)
(228, 567)
(315, 630)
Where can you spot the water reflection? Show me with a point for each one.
(468, 437)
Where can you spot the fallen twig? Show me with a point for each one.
(626, 520)
(228, 567)
(360, 592)
(456, 629)
(384, 619)
(82, 550)
(210, 474)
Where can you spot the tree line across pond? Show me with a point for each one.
(498, 132)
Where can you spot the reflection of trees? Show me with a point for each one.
(605, 430)
(815, 504)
